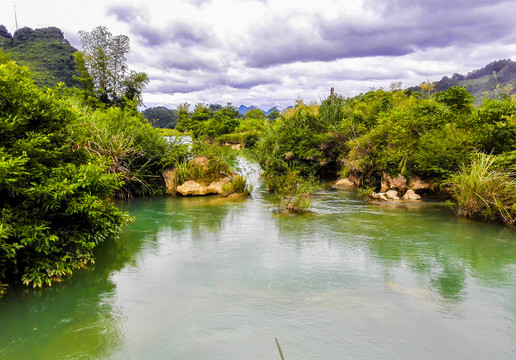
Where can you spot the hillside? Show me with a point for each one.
(497, 77)
(161, 117)
(45, 51)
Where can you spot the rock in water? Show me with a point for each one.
(344, 183)
(411, 195)
(392, 195)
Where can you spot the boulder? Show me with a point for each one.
(194, 188)
(379, 196)
(170, 181)
(399, 182)
(388, 183)
(344, 183)
(411, 195)
(416, 183)
(392, 195)
(217, 187)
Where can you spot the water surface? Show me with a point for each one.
(207, 278)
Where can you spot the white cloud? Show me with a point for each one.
(272, 52)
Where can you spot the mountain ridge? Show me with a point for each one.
(44, 51)
(497, 77)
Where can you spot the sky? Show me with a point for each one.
(274, 52)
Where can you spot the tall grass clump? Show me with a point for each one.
(482, 191)
(292, 192)
(238, 185)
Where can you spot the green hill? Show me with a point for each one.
(45, 51)
(493, 79)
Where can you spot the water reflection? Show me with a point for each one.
(424, 237)
(204, 278)
(70, 320)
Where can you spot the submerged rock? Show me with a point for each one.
(411, 195)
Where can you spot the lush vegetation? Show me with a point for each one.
(45, 51)
(485, 190)
(419, 136)
(66, 152)
(107, 76)
(61, 161)
(392, 133)
(55, 206)
(490, 81)
(161, 117)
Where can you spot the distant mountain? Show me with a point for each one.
(44, 51)
(244, 109)
(496, 77)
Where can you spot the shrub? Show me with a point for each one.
(292, 193)
(55, 207)
(485, 193)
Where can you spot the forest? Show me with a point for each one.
(67, 151)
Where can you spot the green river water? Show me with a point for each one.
(207, 278)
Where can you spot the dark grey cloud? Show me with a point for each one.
(245, 84)
(126, 13)
(175, 87)
(189, 34)
(185, 33)
(400, 27)
(149, 36)
(188, 63)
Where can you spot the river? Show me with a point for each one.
(208, 278)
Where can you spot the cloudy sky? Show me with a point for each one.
(273, 52)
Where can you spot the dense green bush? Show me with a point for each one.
(136, 150)
(393, 132)
(55, 206)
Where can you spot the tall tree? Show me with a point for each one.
(105, 58)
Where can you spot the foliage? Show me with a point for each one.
(413, 137)
(161, 117)
(296, 142)
(292, 192)
(484, 192)
(105, 58)
(394, 132)
(209, 164)
(495, 125)
(55, 206)
(136, 151)
(255, 114)
(238, 185)
(45, 52)
(84, 79)
(490, 81)
(183, 118)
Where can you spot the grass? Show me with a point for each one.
(483, 192)
(170, 132)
